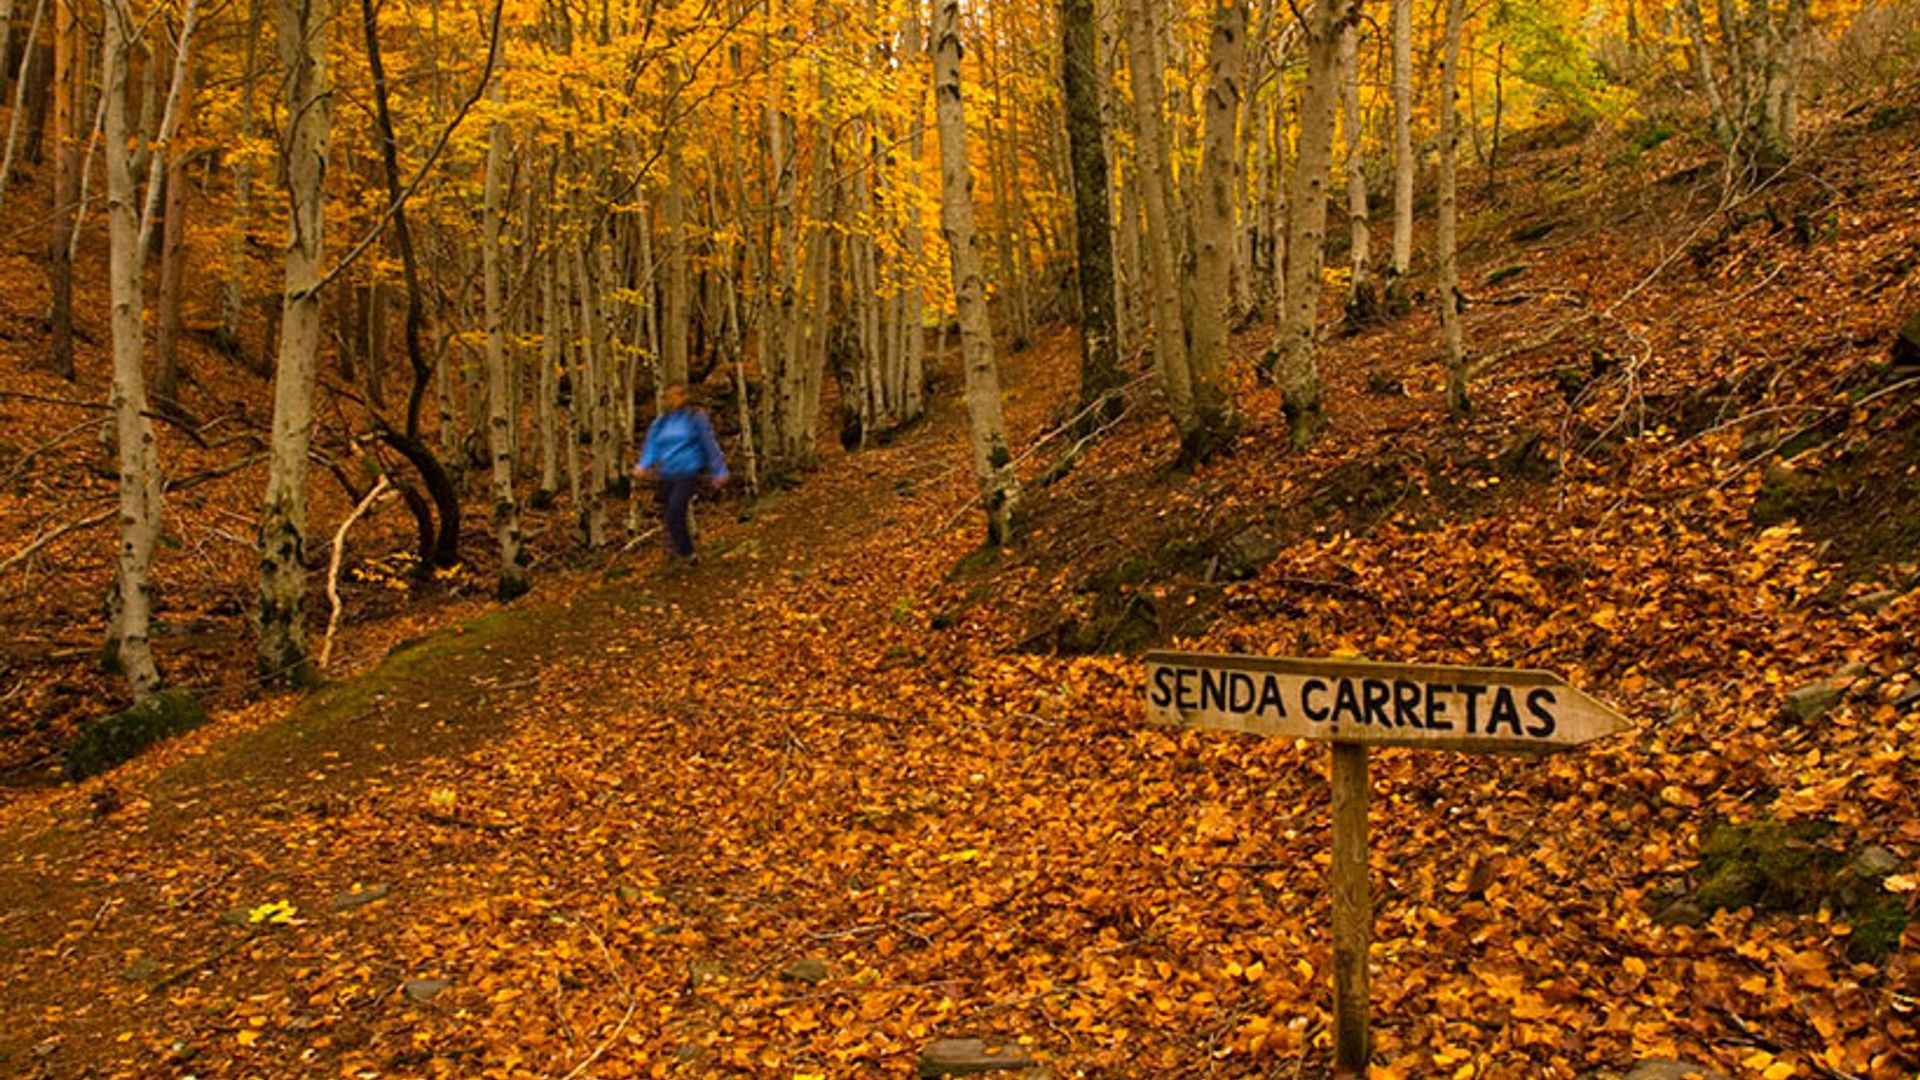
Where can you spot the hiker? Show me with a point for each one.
(679, 451)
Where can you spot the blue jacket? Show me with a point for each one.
(681, 443)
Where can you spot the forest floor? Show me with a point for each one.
(850, 785)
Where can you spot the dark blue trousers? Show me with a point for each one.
(676, 494)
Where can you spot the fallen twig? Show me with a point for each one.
(1554, 333)
(625, 990)
(27, 458)
(185, 970)
(333, 565)
(102, 516)
(50, 535)
(1049, 436)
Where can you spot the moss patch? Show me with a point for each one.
(1866, 502)
(1799, 868)
(122, 736)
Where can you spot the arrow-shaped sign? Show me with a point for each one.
(1353, 701)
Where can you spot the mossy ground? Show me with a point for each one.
(1798, 868)
(118, 738)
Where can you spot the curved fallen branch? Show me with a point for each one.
(333, 564)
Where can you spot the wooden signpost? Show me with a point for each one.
(1353, 705)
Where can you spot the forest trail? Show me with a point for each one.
(812, 805)
(393, 779)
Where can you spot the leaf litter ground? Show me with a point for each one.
(600, 833)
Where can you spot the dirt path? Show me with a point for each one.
(123, 904)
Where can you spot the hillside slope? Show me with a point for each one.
(851, 785)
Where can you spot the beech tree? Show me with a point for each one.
(1446, 227)
(300, 31)
(1092, 214)
(128, 644)
(506, 507)
(1326, 23)
(1154, 174)
(1402, 91)
(1746, 63)
(1212, 230)
(992, 460)
(66, 187)
(1362, 302)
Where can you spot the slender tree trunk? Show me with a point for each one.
(1213, 229)
(506, 508)
(1499, 114)
(787, 440)
(159, 126)
(1723, 122)
(1402, 259)
(914, 314)
(406, 441)
(578, 432)
(6, 39)
(233, 293)
(549, 380)
(1445, 229)
(820, 251)
(301, 30)
(1100, 377)
(1155, 176)
(1125, 240)
(66, 32)
(992, 460)
(1362, 303)
(173, 258)
(377, 339)
(1307, 220)
(592, 389)
(673, 283)
(1278, 216)
(998, 177)
(128, 644)
(20, 95)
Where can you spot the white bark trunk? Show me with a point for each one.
(1153, 172)
(591, 401)
(549, 382)
(1298, 376)
(1445, 229)
(301, 32)
(506, 509)
(1362, 304)
(139, 517)
(1402, 152)
(19, 96)
(992, 460)
(1213, 225)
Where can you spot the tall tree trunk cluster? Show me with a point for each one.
(564, 219)
(1746, 56)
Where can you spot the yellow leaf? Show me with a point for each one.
(1900, 883)
(279, 911)
(1779, 1070)
(247, 1037)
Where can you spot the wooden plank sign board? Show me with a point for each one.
(1473, 709)
(1354, 704)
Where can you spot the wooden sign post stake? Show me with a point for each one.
(1353, 705)
(1352, 908)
